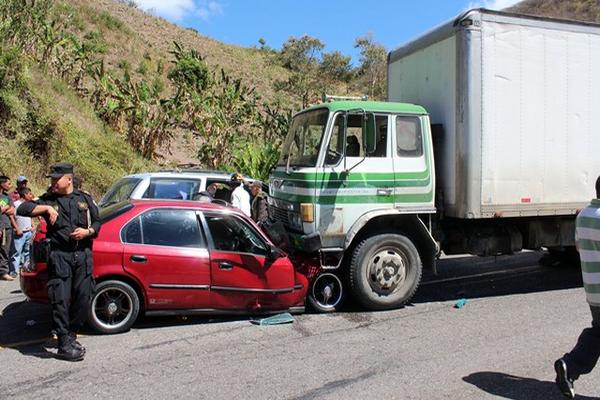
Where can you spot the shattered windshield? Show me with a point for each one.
(301, 146)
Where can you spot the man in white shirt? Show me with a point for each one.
(240, 198)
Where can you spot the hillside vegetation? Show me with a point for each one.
(116, 90)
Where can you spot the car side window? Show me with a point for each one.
(232, 234)
(132, 232)
(165, 227)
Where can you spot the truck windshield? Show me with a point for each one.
(301, 146)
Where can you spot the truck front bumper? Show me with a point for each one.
(310, 243)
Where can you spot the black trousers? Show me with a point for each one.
(6, 242)
(583, 358)
(70, 289)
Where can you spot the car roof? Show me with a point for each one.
(198, 205)
(183, 174)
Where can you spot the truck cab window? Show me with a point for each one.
(409, 140)
(335, 149)
(382, 137)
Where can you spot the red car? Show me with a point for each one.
(171, 257)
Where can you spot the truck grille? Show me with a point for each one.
(279, 214)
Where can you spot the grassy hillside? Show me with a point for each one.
(579, 10)
(44, 122)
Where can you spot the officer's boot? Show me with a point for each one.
(66, 350)
(75, 343)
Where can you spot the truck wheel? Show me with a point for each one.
(385, 271)
(326, 293)
(114, 307)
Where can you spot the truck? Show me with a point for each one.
(487, 145)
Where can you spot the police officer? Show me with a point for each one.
(73, 222)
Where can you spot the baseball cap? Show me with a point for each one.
(21, 178)
(59, 170)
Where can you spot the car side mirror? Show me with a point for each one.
(273, 253)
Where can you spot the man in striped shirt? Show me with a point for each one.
(583, 358)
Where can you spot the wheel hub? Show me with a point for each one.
(388, 270)
(327, 291)
(112, 308)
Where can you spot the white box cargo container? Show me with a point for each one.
(519, 100)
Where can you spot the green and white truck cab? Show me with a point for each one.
(351, 174)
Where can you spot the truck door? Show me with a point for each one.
(412, 172)
(353, 177)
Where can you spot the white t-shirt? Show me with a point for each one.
(24, 223)
(241, 199)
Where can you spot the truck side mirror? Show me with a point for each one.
(368, 131)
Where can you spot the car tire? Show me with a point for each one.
(385, 271)
(326, 293)
(114, 307)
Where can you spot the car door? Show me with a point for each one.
(243, 275)
(165, 250)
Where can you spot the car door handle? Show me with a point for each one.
(138, 259)
(225, 265)
(384, 192)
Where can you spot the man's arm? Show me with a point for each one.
(32, 209)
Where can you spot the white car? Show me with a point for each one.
(183, 185)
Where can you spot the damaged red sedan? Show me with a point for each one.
(170, 257)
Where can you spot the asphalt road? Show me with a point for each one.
(518, 319)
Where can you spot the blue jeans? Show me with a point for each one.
(22, 251)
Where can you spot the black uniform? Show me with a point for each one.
(70, 283)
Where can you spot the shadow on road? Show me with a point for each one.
(516, 387)
(475, 277)
(25, 327)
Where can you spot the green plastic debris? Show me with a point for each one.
(283, 318)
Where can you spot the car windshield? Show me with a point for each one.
(119, 192)
(302, 143)
(172, 188)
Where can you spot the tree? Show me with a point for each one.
(302, 57)
(335, 66)
(373, 65)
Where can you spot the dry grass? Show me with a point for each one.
(579, 10)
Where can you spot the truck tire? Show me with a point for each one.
(114, 307)
(385, 271)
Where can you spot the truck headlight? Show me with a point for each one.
(307, 210)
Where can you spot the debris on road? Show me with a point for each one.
(283, 318)
(460, 303)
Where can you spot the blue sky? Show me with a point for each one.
(337, 23)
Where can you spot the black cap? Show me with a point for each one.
(59, 170)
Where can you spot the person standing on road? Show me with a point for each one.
(7, 211)
(240, 197)
(259, 210)
(72, 223)
(24, 233)
(583, 358)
